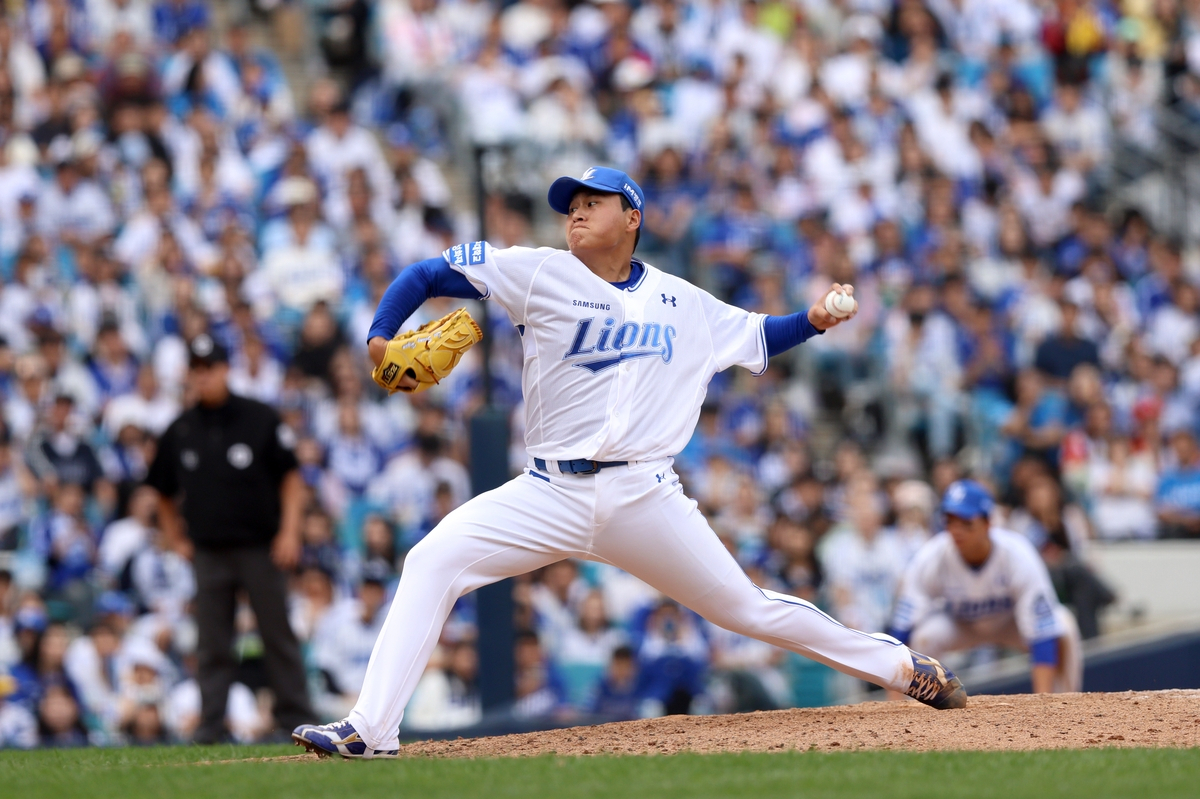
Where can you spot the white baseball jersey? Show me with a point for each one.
(610, 374)
(1012, 583)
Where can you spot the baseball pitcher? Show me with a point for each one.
(618, 357)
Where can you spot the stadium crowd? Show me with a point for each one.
(950, 158)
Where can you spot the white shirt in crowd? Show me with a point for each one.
(861, 575)
(407, 486)
(153, 415)
(342, 643)
(18, 727)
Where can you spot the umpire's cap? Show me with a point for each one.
(204, 350)
(967, 499)
(597, 178)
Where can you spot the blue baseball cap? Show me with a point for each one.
(967, 499)
(597, 178)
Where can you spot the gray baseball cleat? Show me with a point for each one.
(935, 685)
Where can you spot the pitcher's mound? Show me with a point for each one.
(1051, 721)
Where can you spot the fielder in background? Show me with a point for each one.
(618, 357)
(976, 584)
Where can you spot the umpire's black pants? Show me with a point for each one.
(219, 575)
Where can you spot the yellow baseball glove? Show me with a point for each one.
(428, 353)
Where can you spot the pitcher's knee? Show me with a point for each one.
(434, 554)
(733, 613)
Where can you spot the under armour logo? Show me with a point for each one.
(660, 477)
(667, 299)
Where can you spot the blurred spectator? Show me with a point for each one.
(1058, 355)
(142, 694)
(9, 651)
(408, 483)
(540, 692)
(162, 579)
(342, 642)
(311, 601)
(861, 560)
(1037, 423)
(1060, 532)
(793, 560)
(124, 538)
(1177, 500)
(64, 538)
(318, 547)
(1121, 488)
(58, 453)
(18, 727)
(255, 373)
(16, 488)
(60, 721)
(617, 694)
(673, 662)
(447, 695)
(144, 405)
(94, 664)
(586, 649)
(41, 665)
(913, 501)
(378, 553)
(556, 598)
(354, 459)
(924, 368)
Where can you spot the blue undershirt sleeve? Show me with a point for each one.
(900, 635)
(421, 281)
(784, 332)
(1044, 653)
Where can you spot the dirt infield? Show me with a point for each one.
(1057, 721)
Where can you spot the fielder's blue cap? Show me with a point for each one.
(598, 178)
(966, 499)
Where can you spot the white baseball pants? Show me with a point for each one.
(635, 517)
(940, 634)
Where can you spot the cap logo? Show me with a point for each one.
(958, 492)
(203, 345)
(591, 173)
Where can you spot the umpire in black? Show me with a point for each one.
(226, 466)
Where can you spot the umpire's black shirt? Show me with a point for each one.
(229, 462)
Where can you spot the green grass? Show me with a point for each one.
(176, 773)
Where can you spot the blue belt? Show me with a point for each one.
(579, 465)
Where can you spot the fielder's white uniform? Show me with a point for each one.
(610, 374)
(946, 605)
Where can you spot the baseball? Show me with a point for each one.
(840, 304)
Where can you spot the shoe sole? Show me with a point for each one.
(311, 747)
(956, 700)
